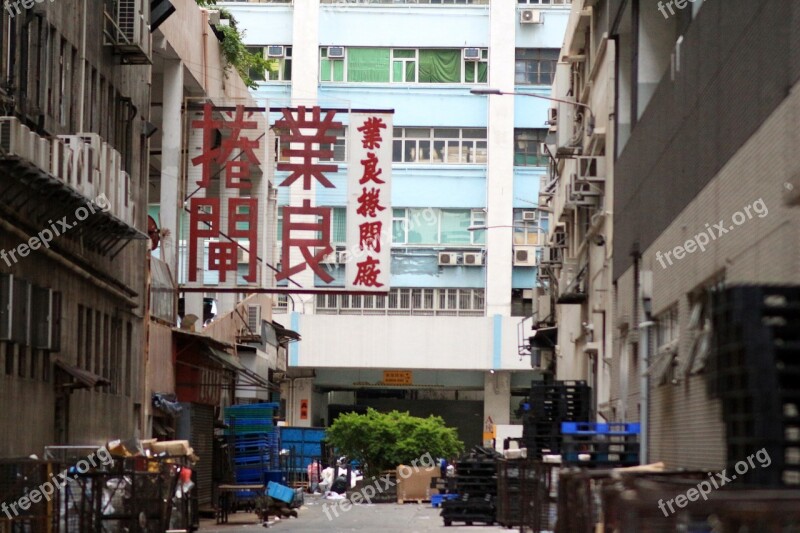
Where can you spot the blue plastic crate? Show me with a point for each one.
(280, 492)
(599, 428)
(437, 499)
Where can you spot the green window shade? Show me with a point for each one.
(483, 72)
(411, 71)
(469, 73)
(325, 69)
(280, 223)
(405, 54)
(397, 67)
(454, 226)
(287, 69)
(339, 233)
(422, 230)
(440, 66)
(338, 70)
(368, 65)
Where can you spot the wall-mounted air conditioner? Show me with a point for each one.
(529, 216)
(592, 169)
(473, 259)
(472, 54)
(342, 257)
(448, 259)
(276, 51)
(335, 52)
(329, 259)
(525, 255)
(551, 256)
(530, 16)
(254, 319)
(42, 153)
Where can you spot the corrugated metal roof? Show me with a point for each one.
(83, 378)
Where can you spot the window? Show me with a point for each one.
(339, 147)
(535, 66)
(339, 225)
(478, 219)
(423, 302)
(80, 353)
(527, 147)
(404, 66)
(330, 68)
(526, 231)
(477, 71)
(439, 65)
(667, 327)
(278, 68)
(428, 226)
(369, 65)
(440, 145)
(546, 3)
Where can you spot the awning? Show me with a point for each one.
(225, 359)
(285, 333)
(83, 379)
(544, 338)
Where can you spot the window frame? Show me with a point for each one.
(541, 136)
(332, 70)
(468, 147)
(538, 61)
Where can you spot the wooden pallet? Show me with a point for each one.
(413, 500)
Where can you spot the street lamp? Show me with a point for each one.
(490, 91)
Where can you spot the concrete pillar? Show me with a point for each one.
(496, 400)
(171, 129)
(305, 51)
(500, 173)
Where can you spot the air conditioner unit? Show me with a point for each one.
(448, 259)
(342, 257)
(525, 255)
(335, 52)
(254, 319)
(42, 156)
(329, 259)
(27, 146)
(127, 30)
(126, 210)
(527, 294)
(591, 169)
(276, 51)
(10, 132)
(95, 144)
(74, 172)
(551, 256)
(530, 16)
(472, 54)
(473, 258)
(60, 155)
(529, 216)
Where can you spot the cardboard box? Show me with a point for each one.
(414, 483)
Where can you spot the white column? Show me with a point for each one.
(172, 100)
(500, 174)
(496, 398)
(305, 52)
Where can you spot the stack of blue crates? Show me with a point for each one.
(600, 445)
(254, 441)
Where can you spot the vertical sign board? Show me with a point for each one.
(309, 134)
(226, 194)
(369, 194)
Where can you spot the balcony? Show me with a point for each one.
(47, 180)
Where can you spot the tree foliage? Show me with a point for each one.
(234, 51)
(382, 441)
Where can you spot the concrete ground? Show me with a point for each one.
(386, 517)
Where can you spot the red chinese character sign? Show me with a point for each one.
(369, 207)
(226, 192)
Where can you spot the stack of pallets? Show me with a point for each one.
(253, 441)
(600, 445)
(548, 405)
(755, 371)
(476, 485)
